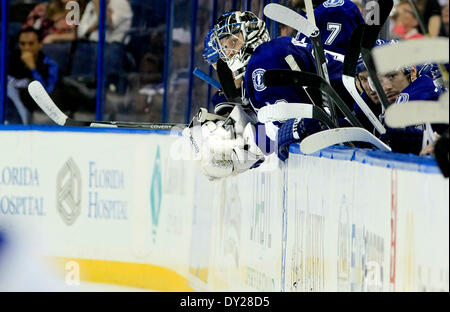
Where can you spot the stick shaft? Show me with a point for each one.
(45, 102)
(206, 78)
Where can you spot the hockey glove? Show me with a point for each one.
(295, 130)
(406, 140)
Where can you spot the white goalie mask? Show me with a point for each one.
(237, 34)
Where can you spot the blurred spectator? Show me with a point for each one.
(286, 31)
(298, 6)
(179, 77)
(118, 20)
(406, 25)
(145, 90)
(430, 10)
(51, 19)
(360, 6)
(444, 26)
(28, 64)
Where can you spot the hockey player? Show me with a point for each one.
(336, 20)
(400, 86)
(244, 44)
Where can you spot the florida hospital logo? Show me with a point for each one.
(257, 78)
(68, 192)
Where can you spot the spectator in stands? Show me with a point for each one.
(430, 10)
(444, 27)
(298, 6)
(118, 21)
(28, 64)
(179, 78)
(145, 90)
(53, 21)
(360, 6)
(406, 25)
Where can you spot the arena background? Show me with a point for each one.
(123, 209)
(147, 77)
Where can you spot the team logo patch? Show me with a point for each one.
(402, 98)
(257, 77)
(379, 42)
(333, 3)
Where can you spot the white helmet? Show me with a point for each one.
(253, 30)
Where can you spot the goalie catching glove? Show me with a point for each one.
(224, 147)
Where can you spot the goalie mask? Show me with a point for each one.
(237, 34)
(210, 52)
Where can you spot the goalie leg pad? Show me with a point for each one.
(247, 155)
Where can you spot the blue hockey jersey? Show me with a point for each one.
(409, 139)
(271, 55)
(421, 89)
(336, 20)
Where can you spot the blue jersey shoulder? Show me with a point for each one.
(336, 20)
(421, 89)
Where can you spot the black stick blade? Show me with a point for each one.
(286, 77)
(226, 80)
(283, 77)
(353, 50)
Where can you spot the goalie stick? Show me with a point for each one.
(226, 80)
(370, 35)
(349, 73)
(314, 95)
(286, 16)
(206, 78)
(326, 138)
(280, 77)
(319, 52)
(44, 101)
(412, 113)
(284, 111)
(321, 61)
